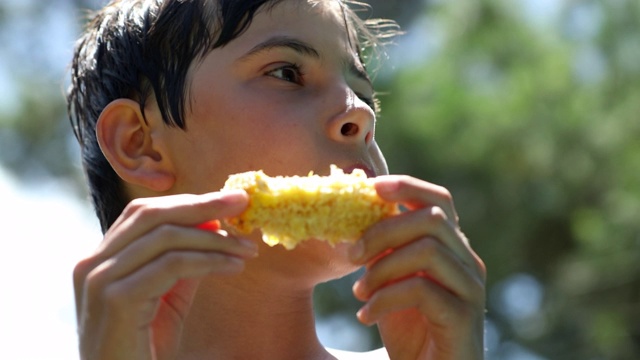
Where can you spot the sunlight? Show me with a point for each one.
(36, 270)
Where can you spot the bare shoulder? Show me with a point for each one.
(379, 354)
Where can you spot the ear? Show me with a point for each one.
(126, 140)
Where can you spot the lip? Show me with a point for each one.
(367, 170)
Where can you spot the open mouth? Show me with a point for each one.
(367, 170)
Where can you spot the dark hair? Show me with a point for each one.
(139, 48)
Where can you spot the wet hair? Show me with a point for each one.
(141, 48)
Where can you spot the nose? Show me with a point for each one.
(355, 123)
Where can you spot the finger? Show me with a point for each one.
(415, 194)
(142, 215)
(434, 302)
(427, 258)
(80, 272)
(156, 278)
(168, 238)
(125, 296)
(400, 230)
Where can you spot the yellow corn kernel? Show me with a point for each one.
(288, 210)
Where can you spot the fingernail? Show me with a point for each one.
(250, 244)
(358, 290)
(234, 196)
(356, 251)
(232, 265)
(363, 314)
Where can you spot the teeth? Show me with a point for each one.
(366, 171)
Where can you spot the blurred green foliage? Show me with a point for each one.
(532, 125)
(536, 132)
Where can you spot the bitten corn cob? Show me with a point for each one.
(288, 210)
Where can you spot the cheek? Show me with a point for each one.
(252, 120)
(243, 129)
(274, 133)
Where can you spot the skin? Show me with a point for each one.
(159, 287)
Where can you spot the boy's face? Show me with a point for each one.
(284, 97)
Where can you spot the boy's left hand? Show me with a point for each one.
(424, 286)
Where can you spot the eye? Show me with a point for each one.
(290, 73)
(369, 100)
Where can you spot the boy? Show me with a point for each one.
(170, 97)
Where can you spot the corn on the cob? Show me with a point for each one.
(288, 210)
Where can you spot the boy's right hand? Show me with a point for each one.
(133, 294)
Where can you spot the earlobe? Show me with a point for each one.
(126, 140)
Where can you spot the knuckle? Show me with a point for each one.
(174, 263)
(94, 280)
(115, 295)
(82, 269)
(428, 247)
(166, 233)
(437, 215)
(444, 193)
(148, 211)
(376, 230)
(134, 206)
(142, 208)
(420, 288)
(463, 237)
(404, 182)
(482, 267)
(447, 200)
(218, 258)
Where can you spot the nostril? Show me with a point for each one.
(349, 129)
(368, 138)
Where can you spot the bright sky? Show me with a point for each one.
(45, 232)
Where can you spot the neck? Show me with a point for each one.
(255, 315)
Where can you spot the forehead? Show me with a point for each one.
(318, 28)
(330, 8)
(323, 20)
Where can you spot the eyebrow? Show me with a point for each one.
(306, 49)
(282, 42)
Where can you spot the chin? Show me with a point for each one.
(315, 260)
(333, 259)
